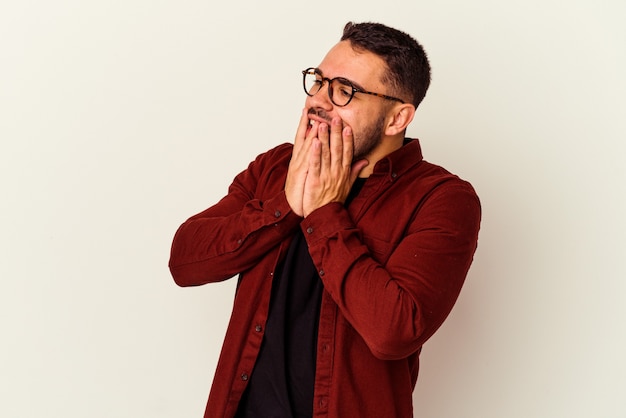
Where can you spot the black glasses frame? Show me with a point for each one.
(344, 81)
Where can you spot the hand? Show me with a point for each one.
(299, 164)
(331, 172)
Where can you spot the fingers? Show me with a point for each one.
(331, 143)
(315, 158)
(331, 172)
(324, 151)
(347, 147)
(336, 145)
(299, 164)
(330, 153)
(356, 169)
(301, 131)
(302, 125)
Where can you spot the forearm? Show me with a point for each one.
(384, 314)
(395, 294)
(209, 248)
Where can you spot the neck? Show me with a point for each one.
(386, 147)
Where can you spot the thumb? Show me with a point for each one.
(356, 169)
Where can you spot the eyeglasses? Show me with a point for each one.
(313, 80)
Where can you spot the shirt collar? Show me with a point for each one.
(402, 159)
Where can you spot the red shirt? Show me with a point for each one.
(392, 265)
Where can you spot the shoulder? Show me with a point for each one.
(279, 151)
(432, 178)
(267, 170)
(272, 158)
(277, 155)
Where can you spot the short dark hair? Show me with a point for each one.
(408, 70)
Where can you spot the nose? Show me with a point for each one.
(321, 99)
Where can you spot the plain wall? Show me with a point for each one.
(120, 119)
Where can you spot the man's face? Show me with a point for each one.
(365, 114)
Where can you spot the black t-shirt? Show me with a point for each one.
(281, 384)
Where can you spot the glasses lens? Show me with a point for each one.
(341, 91)
(312, 82)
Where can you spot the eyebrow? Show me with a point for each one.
(354, 83)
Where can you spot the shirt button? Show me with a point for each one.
(277, 214)
(258, 328)
(394, 175)
(309, 230)
(322, 272)
(244, 376)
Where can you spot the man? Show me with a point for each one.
(350, 248)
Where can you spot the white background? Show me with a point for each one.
(119, 119)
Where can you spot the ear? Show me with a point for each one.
(399, 118)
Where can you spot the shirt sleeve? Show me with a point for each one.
(396, 306)
(229, 237)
